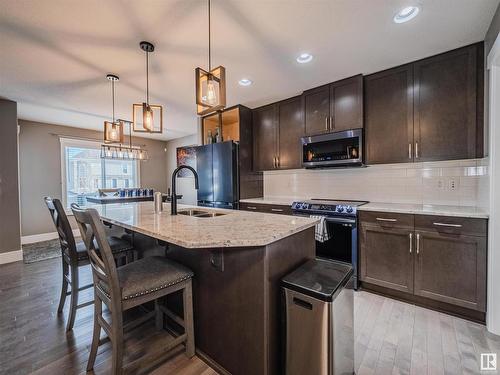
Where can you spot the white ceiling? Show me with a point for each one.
(55, 54)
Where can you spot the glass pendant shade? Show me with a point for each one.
(147, 118)
(113, 132)
(124, 152)
(210, 90)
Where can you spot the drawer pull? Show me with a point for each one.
(383, 219)
(277, 209)
(251, 207)
(448, 225)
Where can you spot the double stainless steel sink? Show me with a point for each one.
(200, 213)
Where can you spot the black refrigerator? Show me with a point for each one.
(217, 167)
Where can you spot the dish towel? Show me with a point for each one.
(321, 231)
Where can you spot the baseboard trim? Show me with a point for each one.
(11, 256)
(44, 237)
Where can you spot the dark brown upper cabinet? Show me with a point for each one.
(291, 129)
(317, 110)
(334, 107)
(425, 111)
(265, 137)
(389, 116)
(277, 131)
(446, 98)
(346, 104)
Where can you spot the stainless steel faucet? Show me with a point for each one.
(173, 210)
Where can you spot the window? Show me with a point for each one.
(83, 171)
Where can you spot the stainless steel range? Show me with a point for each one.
(341, 220)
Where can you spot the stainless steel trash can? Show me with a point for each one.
(319, 319)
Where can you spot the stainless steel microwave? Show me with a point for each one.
(340, 149)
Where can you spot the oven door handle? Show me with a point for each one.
(340, 220)
(330, 219)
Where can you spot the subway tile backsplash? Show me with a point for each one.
(457, 182)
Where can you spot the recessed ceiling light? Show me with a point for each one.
(406, 14)
(304, 58)
(245, 82)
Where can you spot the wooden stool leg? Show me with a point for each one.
(188, 319)
(159, 315)
(117, 342)
(96, 335)
(130, 256)
(74, 298)
(64, 286)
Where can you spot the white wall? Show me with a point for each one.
(185, 185)
(493, 308)
(418, 183)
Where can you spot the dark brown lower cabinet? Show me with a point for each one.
(267, 208)
(386, 258)
(451, 269)
(435, 261)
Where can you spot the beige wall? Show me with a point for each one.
(40, 169)
(10, 239)
(185, 185)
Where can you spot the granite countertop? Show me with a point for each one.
(406, 208)
(235, 229)
(426, 209)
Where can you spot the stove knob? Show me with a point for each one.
(349, 209)
(340, 209)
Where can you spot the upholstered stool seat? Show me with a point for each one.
(148, 275)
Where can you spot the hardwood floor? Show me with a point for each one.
(392, 337)
(33, 337)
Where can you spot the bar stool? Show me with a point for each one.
(134, 284)
(74, 255)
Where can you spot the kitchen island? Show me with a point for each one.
(239, 259)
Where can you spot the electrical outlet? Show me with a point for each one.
(452, 184)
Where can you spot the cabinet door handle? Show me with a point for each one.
(327, 126)
(274, 162)
(251, 207)
(448, 225)
(277, 209)
(411, 242)
(416, 150)
(409, 151)
(418, 243)
(278, 158)
(331, 123)
(383, 219)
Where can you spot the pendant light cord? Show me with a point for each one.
(147, 78)
(209, 40)
(113, 97)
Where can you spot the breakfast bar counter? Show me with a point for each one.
(228, 228)
(238, 259)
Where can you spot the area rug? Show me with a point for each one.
(38, 251)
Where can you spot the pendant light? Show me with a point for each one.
(113, 131)
(147, 118)
(211, 84)
(124, 152)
